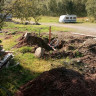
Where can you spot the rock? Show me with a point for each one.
(39, 52)
(26, 36)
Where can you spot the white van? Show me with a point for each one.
(67, 18)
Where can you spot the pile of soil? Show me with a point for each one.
(89, 51)
(72, 46)
(33, 40)
(59, 82)
(83, 47)
(62, 54)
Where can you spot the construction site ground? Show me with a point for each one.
(75, 52)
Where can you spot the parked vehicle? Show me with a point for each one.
(67, 18)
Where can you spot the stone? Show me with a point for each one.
(39, 52)
(26, 36)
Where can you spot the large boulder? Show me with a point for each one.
(39, 52)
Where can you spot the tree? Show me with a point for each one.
(24, 9)
(79, 7)
(52, 6)
(1, 16)
(62, 7)
(5, 9)
(91, 8)
(44, 9)
(70, 7)
(35, 11)
(20, 10)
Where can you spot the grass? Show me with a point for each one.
(25, 49)
(49, 19)
(46, 19)
(32, 28)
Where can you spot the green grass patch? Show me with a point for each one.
(49, 19)
(25, 49)
(9, 43)
(33, 28)
(46, 19)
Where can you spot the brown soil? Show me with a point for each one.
(33, 40)
(72, 46)
(59, 82)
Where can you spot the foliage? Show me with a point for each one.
(91, 8)
(24, 9)
(5, 9)
(35, 11)
(52, 5)
(1, 17)
(61, 7)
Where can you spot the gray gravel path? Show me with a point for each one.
(79, 28)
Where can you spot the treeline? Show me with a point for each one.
(25, 9)
(81, 8)
(60, 7)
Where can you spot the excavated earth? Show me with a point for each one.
(59, 82)
(78, 47)
(33, 40)
(81, 50)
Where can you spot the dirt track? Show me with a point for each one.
(80, 28)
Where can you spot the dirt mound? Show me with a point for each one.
(68, 45)
(58, 82)
(93, 48)
(32, 40)
(89, 52)
(62, 54)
